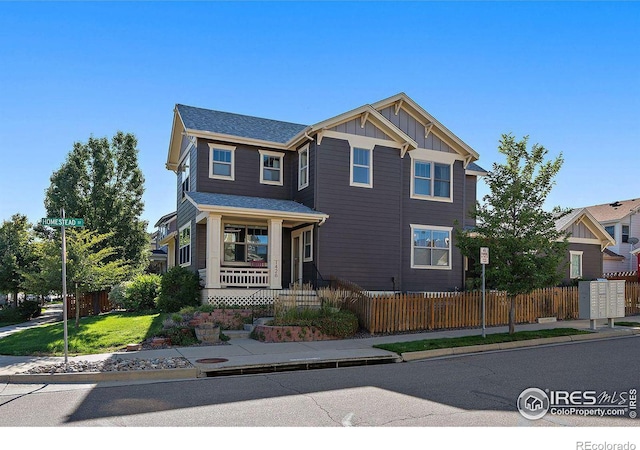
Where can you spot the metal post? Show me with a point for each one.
(64, 292)
(483, 304)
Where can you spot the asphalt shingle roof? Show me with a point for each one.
(613, 211)
(476, 168)
(240, 201)
(238, 125)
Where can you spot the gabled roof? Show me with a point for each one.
(609, 254)
(611, 212)
(474, 169)
(268, 130)
(166, 218)
(582, 215)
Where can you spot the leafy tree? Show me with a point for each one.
(101, 182)
(16, 254)
(91, 265)
(526, 249)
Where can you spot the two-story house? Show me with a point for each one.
(371, 196)
(622, 221)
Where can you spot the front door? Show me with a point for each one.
(296, 258)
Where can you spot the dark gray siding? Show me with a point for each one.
(200, 250)
(360, 241)
(431, 213)
(286, 257)
(247, 173)
(470, 192)
(591, 261)
(186, 211)
(306, 195)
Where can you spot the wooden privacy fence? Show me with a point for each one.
(91, 304)
(433, 311)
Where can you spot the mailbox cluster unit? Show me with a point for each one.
(602, 299)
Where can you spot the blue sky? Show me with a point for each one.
(566, 74)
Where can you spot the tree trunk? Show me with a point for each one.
(15, 299)
(512, 315)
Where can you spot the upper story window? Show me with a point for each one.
(184, 179)
(430, 247)
(222, 162)
(303, 167)
(431, 180)
(361, 167)
(611, 229)
(271, 167)
(184, 243)
(625, 233)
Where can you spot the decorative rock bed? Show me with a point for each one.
(266, 333)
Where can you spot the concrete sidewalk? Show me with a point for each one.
(242, 355)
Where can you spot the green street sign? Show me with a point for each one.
(59, 222)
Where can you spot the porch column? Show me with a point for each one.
(214, 233)
(275, 253)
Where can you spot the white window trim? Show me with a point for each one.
(434, 198)
(180, 247)
(184, 167)
(573, 253)
(433, 228)
(363, 147)
(305, 168)
(304, 244)
(230, 148)
(277, 155)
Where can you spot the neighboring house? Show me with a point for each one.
(622, 222)
(587, 242)
(167, 235)
(370, 196)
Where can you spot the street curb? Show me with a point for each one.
(427, 354)
(97, 377)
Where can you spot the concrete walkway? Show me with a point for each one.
(242, 355)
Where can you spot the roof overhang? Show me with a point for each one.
(168, 238)
(366, 113)
(166, 218)
(403, 101)
(292, 218)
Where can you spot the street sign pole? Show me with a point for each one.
(64, 292)
(484, 260)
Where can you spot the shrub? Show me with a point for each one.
(179, 287)
(117, 295)
(181, 336)
(341, 324)
(141, 293)
(25, 311)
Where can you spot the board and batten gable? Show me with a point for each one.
(246, 172)
(360, 241)
(415, 130)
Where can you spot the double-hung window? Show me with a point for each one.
(271, 167)
(184, 179)
(307, 243)
(575, 264)
(361, 167)
(184, 241)
(625, 233)
(611, 229)
(430, 180)
(303, 167)
(221, 162)
(245, 244)
(430, 247)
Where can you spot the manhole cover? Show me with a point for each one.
(211, 360)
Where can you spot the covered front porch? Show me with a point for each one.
(248, 241)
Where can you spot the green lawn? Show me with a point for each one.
(98, 334)
(432, 344)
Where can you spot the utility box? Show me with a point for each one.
(602, 299)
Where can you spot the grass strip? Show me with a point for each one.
(464, 341)
(97, 334)
(628, 324)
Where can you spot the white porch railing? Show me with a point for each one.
(245, 276)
